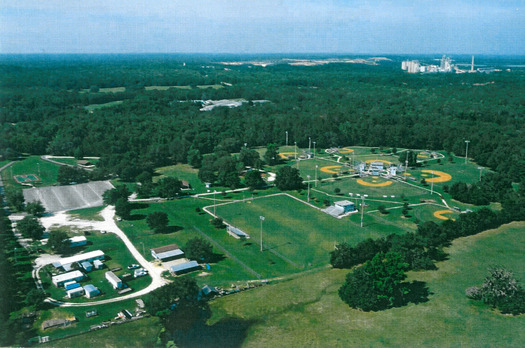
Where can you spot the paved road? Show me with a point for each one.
(110, 226)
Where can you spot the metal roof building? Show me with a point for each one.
(113, 280)
(91, 290)
(61, 279)
(167, 252)
(90, 256)
(185, 267)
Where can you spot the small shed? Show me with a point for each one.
(346, 205)
(76, 292)
(77, 241)
(87, 266)
(113, 280)
(71, 285)
(91, 290)
(98, 264)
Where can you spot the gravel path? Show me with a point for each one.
(110, 226)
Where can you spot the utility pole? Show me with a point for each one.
(262, 219)
(466, 150)
(314, 149)
(286, 138)
(309, 144)
(316, 167)
(295, 151)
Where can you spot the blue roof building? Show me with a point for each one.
(185, 267)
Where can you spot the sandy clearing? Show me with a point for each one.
(441, 176)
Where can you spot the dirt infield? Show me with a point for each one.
(372, 184)
(441, 176)
(345, 150)
(60, 198)
(286, 155)
(330, 169)
(439, 214)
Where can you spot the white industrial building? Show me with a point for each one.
(90, 256)
(61, 279)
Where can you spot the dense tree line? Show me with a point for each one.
(335, 104)
(493, 187)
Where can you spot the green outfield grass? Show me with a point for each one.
(46, 171)
(301, 234)
(308, 311)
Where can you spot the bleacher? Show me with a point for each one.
(237, 233)
(334, 211)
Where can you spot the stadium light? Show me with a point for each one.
(308, 181)
(362, 209)
(314, 149)
(466, 150)
(262, 219)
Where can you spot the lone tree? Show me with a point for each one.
(168, 187)
(112, 196)
(500, 290)
(123, 208)
(376, 285)
(288, 179)
(157, 221)
(199, 249)
(30, 227)
(253, 179)
(271, 156)
(58, 241)
(35, 208)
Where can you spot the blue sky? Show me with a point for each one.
(265, 26)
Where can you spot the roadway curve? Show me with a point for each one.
(110, 226)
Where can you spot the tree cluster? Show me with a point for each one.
(376, 285)
(168, 187)
(67, 175)
(493, 187)
(288, 178)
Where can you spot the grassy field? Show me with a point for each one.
(125, 333)
(87, 213)
(302, 235)
(139, 333)
(308, 312)
(46, 171)
(186, 172)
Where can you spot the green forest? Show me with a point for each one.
(44, 100)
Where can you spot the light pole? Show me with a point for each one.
(308, 195)
(314, 149)
(316, 167)
(466, 150)
(286, 138)
(432, 184)
(295, 151)
(309, 144)
(362, 208)
(262, 219)
(214, 203)
(480, 170)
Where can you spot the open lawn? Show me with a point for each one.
(87, 213)
(140, 333)
(301, 235)
(307, 311)
(46, 171)
(188, 173)
(123, 334)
